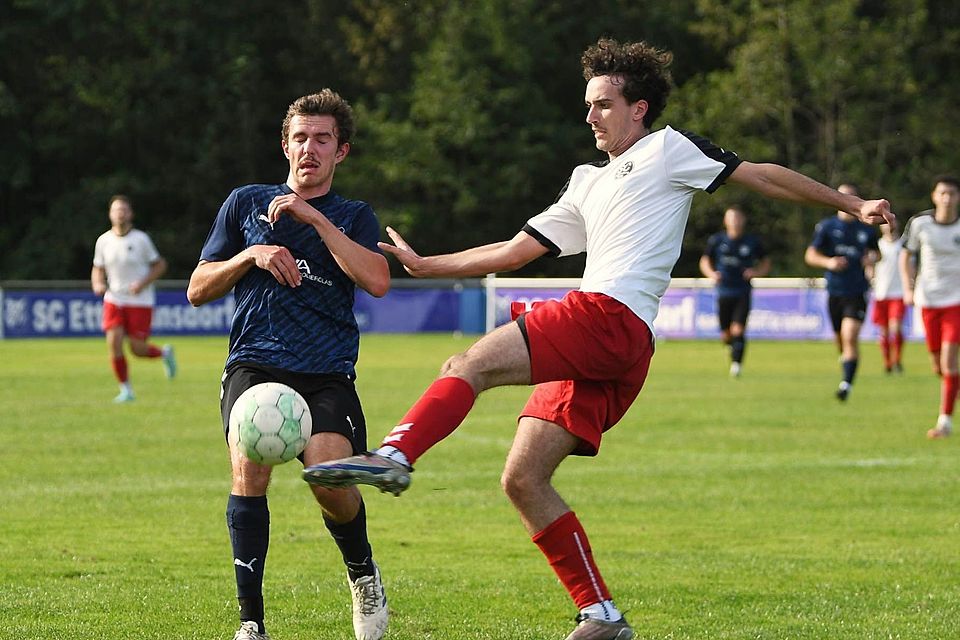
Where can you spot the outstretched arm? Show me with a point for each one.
(490, 258)
(775, 181)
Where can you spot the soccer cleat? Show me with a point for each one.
(843, 391)
(125, 395)
(368, 468)
(593, 629)
(943, 429)
(735, 369)
(169, 361)
(250, 631)
(370, 614)
(898, 368)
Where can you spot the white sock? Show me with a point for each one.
(605, 610)
(393, 454)
(125, 387)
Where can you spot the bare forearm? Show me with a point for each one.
(908, 271)
(98, 280)
(776, 181)
(816, 259)
(157, 269)
(706, 268)
(212, 280)
(368, 269)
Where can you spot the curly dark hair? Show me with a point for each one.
(642, 67)
(324, 102)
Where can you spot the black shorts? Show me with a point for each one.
(732, 309)
(332, 398)
(846, 307)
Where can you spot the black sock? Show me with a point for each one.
(351, 538)
(737, 347)
(248, 522)
(850, 370)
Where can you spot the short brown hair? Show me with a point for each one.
(324, 102)
(120, 198)
(945, 179)
(642, 66)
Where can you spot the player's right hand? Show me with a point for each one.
(837, 263)
(403, 252)
(278, 261)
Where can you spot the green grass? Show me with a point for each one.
(758, 508)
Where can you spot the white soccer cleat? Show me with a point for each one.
(125, 395)
(169, 361)
(250, 631)
(370, 615)
(943, 429)
(735, 369)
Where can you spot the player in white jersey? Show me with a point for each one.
(930, 267)
(125, 265)
(589, 353)
(888, 307)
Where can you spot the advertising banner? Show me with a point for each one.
(690, 312)
(41, 314)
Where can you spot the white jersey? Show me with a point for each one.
(126, 259)
(886, 274)
(938, 248)
(629, 215)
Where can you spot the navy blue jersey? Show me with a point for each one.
(730, 257)
(310, 328)
(852, 240)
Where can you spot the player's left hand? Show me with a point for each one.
(294, 206)
(877, 212)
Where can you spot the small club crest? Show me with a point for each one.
(624, 169)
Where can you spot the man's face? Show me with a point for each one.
(734, 221)
(312, 150)
(616, 123)
(121, 215)
(945, 196)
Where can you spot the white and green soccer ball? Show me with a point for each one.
(270, 423)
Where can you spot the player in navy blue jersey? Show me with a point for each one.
(732, 259)
(847, 249)
(294, 254)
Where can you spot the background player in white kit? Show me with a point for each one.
(589, 353)
(125, 265)
(888, 307)
(932, 239)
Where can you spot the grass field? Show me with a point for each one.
(758, 508)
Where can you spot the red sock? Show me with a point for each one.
(120, 368)
(897, 346)
(948, 392)
(438, 412)
(885, 349)
(153, 351)
(567, 549)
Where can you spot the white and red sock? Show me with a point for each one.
(565, 545)
(437, 414)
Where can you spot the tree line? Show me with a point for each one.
(470, 113)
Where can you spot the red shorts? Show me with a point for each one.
(886, 310)
(942, 326)
(589, 357)
(134, 320)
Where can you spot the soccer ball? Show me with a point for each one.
(270, 423)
